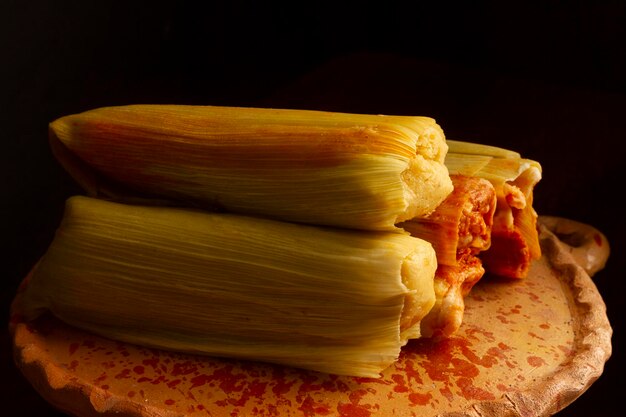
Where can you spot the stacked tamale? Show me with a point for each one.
(312, 239)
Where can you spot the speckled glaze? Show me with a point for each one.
(526, 347)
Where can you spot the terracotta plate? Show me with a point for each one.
(526, 347)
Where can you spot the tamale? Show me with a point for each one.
(515, 238)
(333, 300)
(459, 230)
(325, 168)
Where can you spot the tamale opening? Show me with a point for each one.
(515, 237)
(459, 230)
(419, 300)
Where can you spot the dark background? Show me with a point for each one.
(545, 78)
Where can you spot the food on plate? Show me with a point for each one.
(514, 235)
(459, 229)
(333, 300)
(319, 240)
(324, 168)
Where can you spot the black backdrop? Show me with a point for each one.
(546, 78)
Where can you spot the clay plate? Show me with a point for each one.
(527, 347)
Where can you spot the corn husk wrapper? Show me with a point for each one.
(324, 168)
(330, 300)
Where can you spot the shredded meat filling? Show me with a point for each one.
(476, 219)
